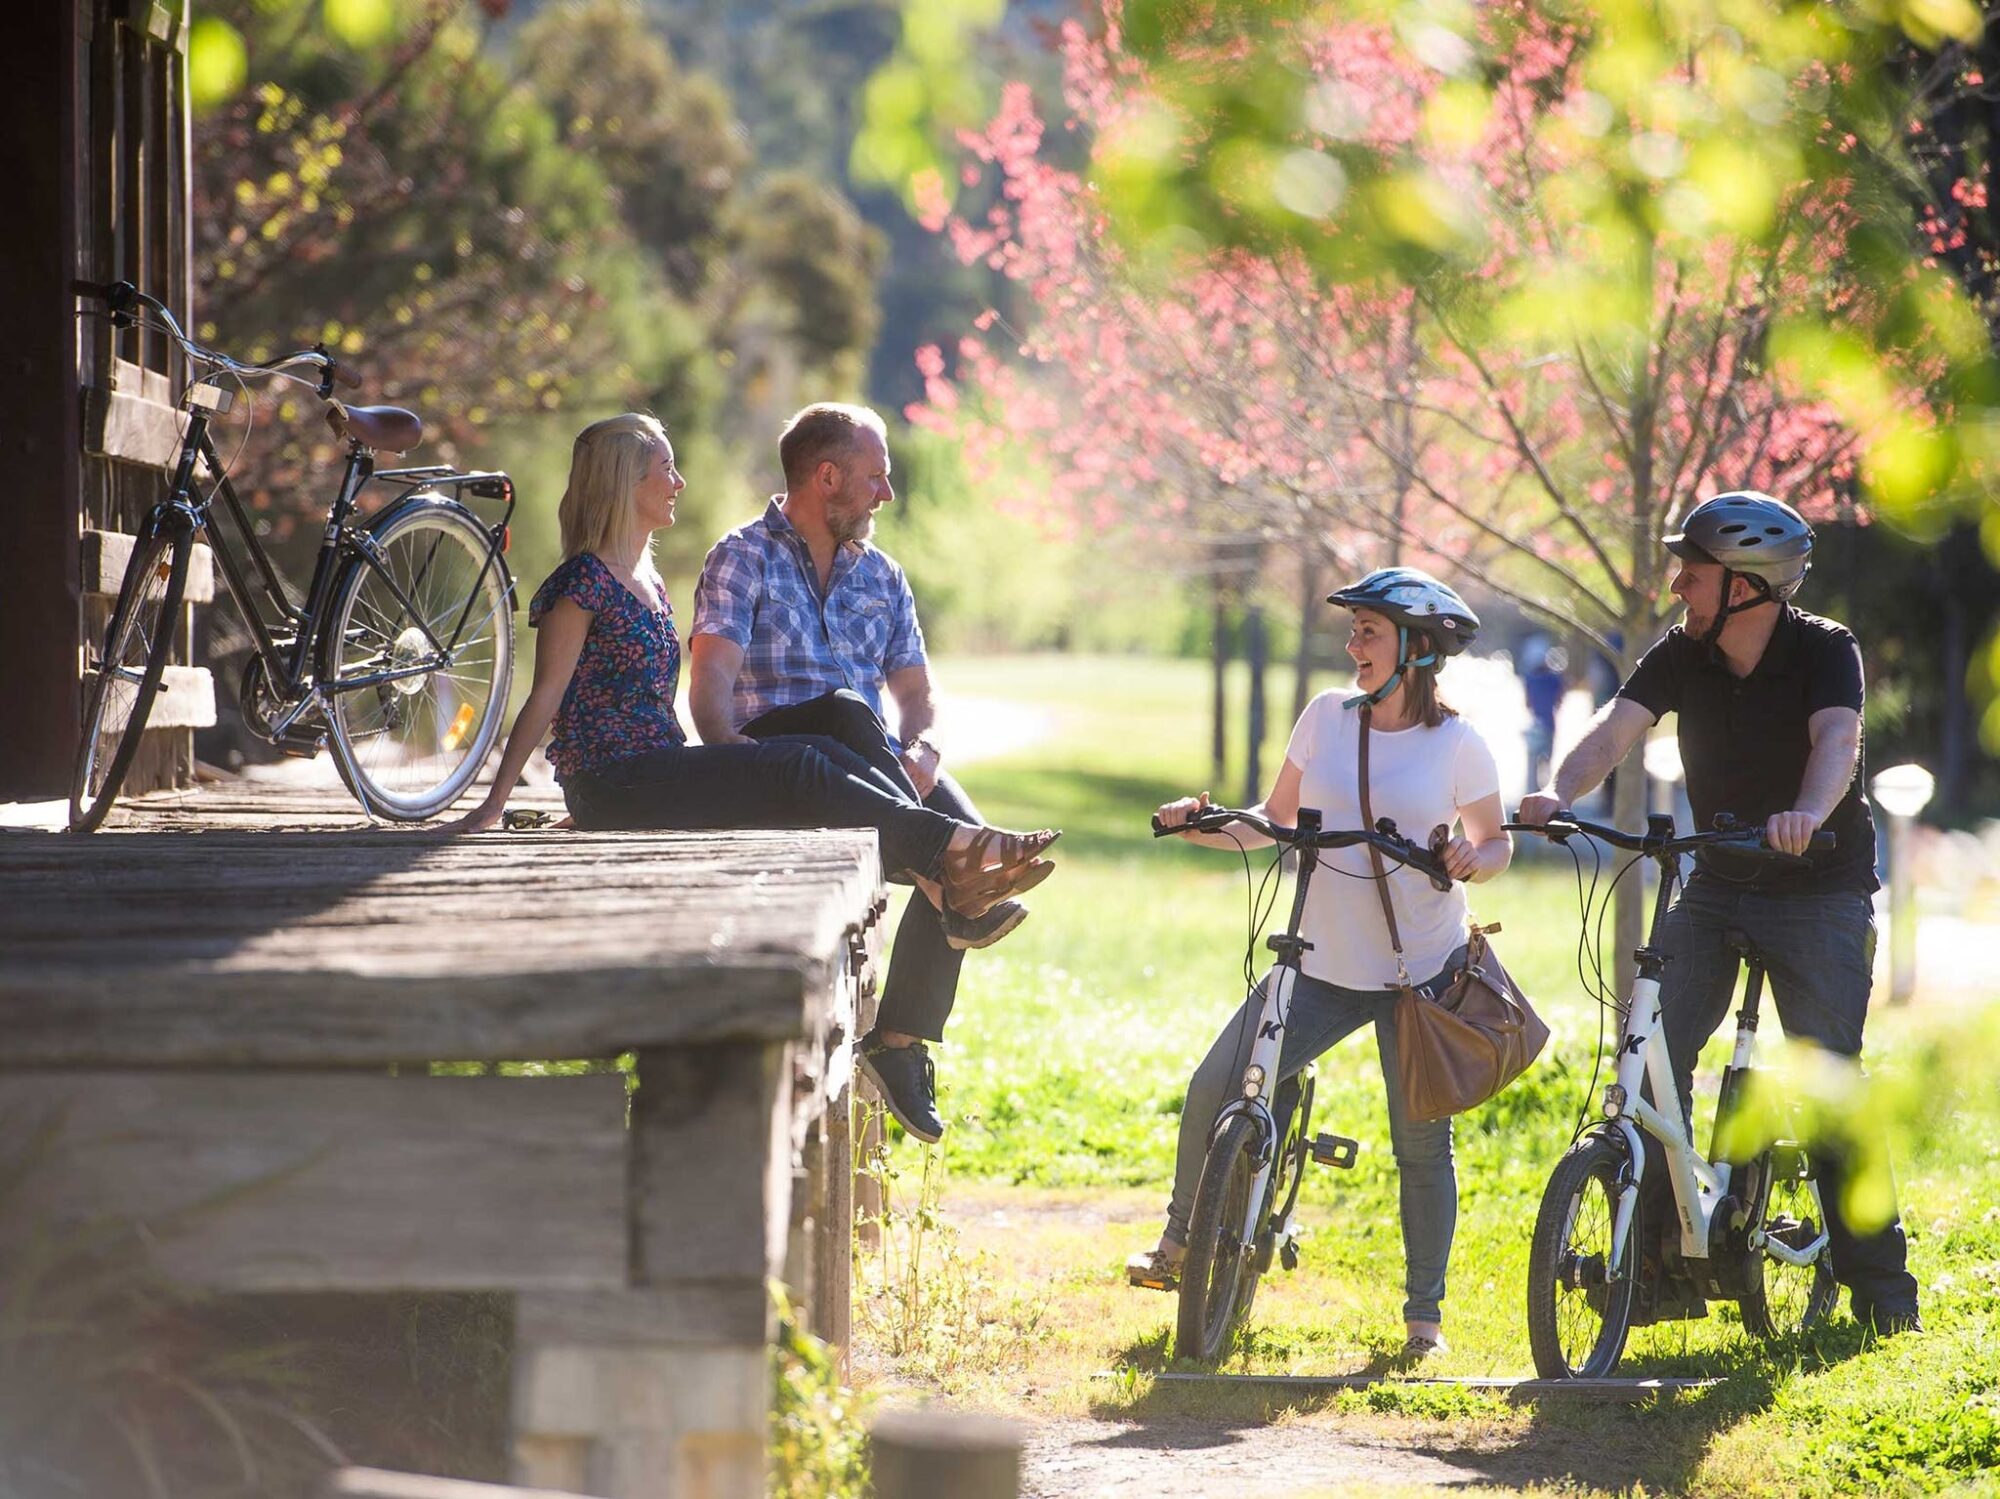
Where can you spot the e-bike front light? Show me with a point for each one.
(1614, 1100)
(1253, 1081)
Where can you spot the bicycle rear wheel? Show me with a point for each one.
(1579, 1310)
(416, 740)
(127, 672)
(1785, 1298)
(1219, 1275)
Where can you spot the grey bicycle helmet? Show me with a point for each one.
(1412, 600)
(1415, 601)
(1764, 539)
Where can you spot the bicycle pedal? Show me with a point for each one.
(1288, 1253)
(1335, 1150)
(301, 744)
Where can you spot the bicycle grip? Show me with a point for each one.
(1161, 830)
(343, 377)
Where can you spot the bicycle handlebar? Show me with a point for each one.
(1737, 837)
(128, 305)
(1384, 837)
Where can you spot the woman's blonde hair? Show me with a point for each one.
(605, 466)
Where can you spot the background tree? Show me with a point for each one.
(1442, 368)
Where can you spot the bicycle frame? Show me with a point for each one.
(286, 633)
(1260, 1073)
(1700, 1187)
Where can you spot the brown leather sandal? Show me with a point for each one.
(992, 866)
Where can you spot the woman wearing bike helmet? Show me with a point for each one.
(1428, 769)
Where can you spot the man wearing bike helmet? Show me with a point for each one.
(1769, 699)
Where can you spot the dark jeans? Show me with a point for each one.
(792, 784)
(922, 983)
(1323, 1015)
(1819, 953)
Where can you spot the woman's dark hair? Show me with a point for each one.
(1427, 705)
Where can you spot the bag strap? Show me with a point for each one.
(1375, 858)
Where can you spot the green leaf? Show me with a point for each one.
(360, 23)
(218, 63)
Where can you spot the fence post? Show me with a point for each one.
(930, 1454)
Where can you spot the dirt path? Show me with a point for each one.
(1086, 1459)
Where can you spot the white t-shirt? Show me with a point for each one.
(1419, 777)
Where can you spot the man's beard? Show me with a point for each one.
(858, 527)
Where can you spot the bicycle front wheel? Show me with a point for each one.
(417, 728)
(127, 671)
(1785, 1298)
(1219, 1275)
(1579, 1303)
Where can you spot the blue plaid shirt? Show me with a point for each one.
(760, 589)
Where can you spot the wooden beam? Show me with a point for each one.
(379, 1483)
(106, 555)
(336, 1182)
(346, 948)
(736, 1310)
(130, 427)
(186, 700)
(711, 1125)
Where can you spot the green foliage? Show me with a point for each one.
(988, 577)
(819, 1440)
(1066, 1059)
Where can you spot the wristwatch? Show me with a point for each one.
(921, 742)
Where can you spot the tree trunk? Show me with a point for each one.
(1303, 659)
(1219, 670)
(1254, 648)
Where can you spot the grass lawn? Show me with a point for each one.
(1062, 1082)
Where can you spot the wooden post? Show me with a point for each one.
(663, 1392)
(922, 1454)
(40, 415)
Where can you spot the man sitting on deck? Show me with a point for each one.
(799, 625)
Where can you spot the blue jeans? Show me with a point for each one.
(792, 784)
(1819, 953)
(1322, 1015)
(922, 983)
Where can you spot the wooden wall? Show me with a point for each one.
(99, 123)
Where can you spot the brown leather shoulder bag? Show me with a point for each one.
(1459, 1047)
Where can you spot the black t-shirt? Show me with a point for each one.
(1745, 741)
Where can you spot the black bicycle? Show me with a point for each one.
(399, 653)
(1242, 1215)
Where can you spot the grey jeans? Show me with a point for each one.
(1322, 1015)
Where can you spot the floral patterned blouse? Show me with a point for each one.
(620, 701)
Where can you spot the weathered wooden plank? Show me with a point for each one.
(379, 1483)
(313, 1181)
(662, 1422)
(125, 425)
(186, 700)
(170, 949)
(736, 1310)
(711, 1163)
(106, 555)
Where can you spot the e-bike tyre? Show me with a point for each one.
(1575, 1335)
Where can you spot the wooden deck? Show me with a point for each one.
(229, 1004)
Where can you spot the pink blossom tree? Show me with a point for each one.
(1519, 415)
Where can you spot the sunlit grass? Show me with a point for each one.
(1062, 1080)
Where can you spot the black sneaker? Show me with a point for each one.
(1887, 1318)
(907, 1080)
(982, 931)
